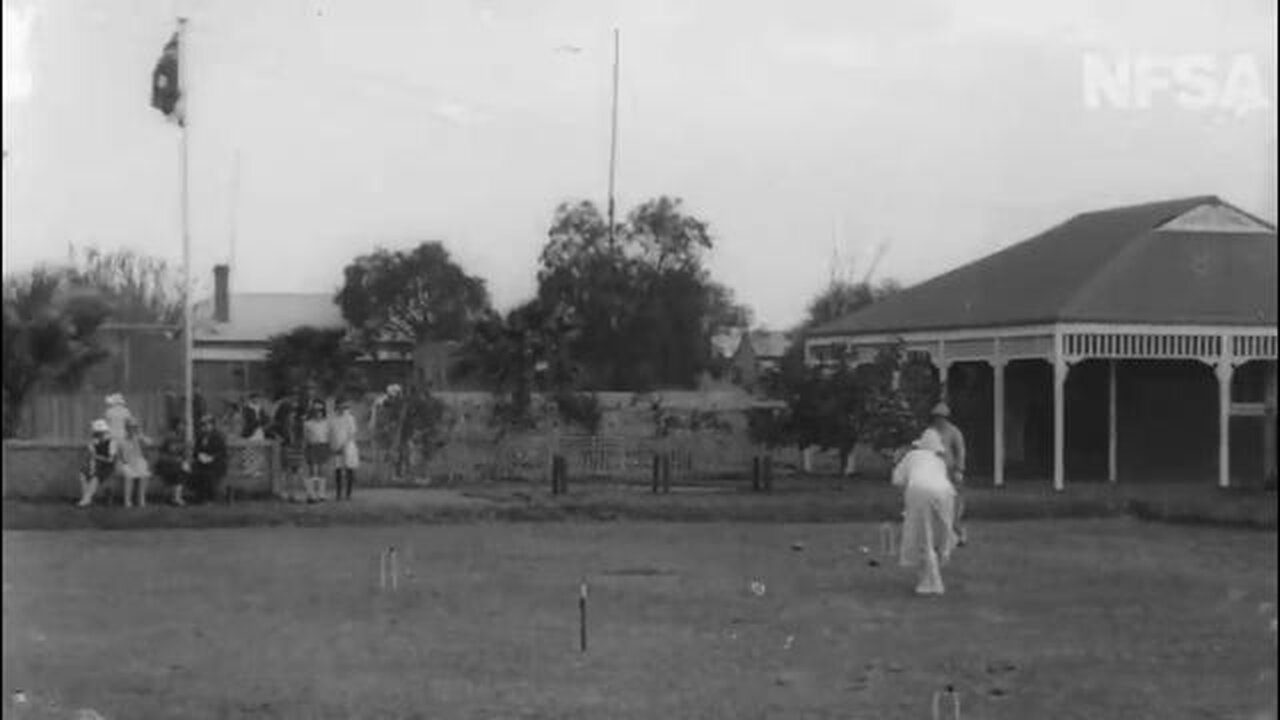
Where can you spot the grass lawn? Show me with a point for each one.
(798, 500)
(1059, 619)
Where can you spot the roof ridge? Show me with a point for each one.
(1131, 246)
(1110, 268)
(1189, 200)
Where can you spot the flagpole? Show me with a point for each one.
(188, 342)
(613, 134)
(235, 215)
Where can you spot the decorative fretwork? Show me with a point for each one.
(1231, 346)
(1137, 345)
(1253, 346)
(253, 465)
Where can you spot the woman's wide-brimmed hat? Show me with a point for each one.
(115, 399)
(100, 426)
(941, 410)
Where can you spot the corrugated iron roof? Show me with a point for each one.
(1108, 266)
(255, 317)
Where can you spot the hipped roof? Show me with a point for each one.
(1111, 266)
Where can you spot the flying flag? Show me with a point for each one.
(166, 95)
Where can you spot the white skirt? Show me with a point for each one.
(349, 457)
(927, 525)
(135, 469)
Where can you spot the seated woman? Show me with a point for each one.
(928, 535)
(103, 457)
(210, 466)
(171, 464)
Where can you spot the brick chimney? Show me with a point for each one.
(221, 294)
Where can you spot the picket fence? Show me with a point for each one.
(471, 451)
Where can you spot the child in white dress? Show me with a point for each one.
(133, 463)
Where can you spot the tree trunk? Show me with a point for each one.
(846, 457)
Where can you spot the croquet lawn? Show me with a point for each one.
(1046, 619)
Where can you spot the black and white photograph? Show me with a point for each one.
(631, 359)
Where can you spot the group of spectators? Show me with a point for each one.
(118, 450)
(312, 441)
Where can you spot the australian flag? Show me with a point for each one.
(166, 95)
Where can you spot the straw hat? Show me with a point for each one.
(941, 410)
(115, 399)
(100, 426)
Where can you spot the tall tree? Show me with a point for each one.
(416, 295)
(139, 288)
(724, 312)
(844, 297)
(50, 322)
(645, 306)
(323, 359)
(521, 354)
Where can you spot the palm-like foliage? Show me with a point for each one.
(49, 324)
(138, 288)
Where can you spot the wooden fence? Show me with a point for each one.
(67, 416)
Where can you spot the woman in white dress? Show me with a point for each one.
(346, 452)
(928, 535)
(117, 416)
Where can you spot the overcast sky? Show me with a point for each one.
(947, 129)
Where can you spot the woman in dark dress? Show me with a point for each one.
(287, 428)
(171, 464)
(210, 465)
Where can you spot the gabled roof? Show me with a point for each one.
(255, 317)
(767, 344)
(726, 343)
(1126, 265)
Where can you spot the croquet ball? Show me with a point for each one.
(873, 563)
(864, 550)
(797, 546)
